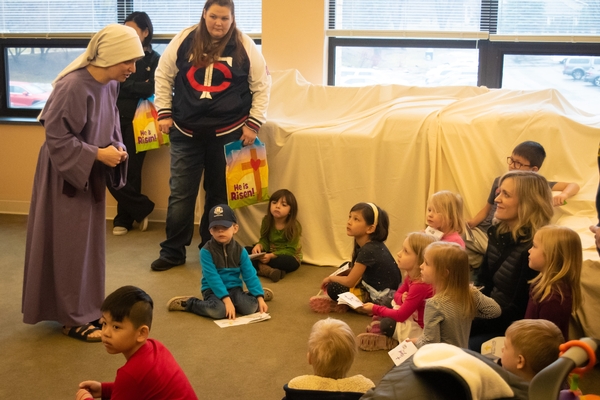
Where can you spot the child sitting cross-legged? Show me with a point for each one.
(223, 262)
(530, 345)
(450, 312)
(150, 372)
(405, 318)
(373, 275)
(331, 351)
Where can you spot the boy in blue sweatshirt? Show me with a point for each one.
(225, 263)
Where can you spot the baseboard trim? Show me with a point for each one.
(14, 207)
(22, 208)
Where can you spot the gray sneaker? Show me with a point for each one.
(178, 303)
(268, 294)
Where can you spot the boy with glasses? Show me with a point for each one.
(527, 156)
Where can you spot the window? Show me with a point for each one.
(541, 17)
(50, 16)
(576, 78)
(77, 16)
(413, 18)
(40, 37)
(179, 14)
(413, 66)
(30, 85)
(517, 44)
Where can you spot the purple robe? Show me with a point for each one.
(66, 230)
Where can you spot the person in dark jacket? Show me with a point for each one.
(132, 205)
(524, 205)
(212, 88)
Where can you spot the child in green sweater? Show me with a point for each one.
(280, 234)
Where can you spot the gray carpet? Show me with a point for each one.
(245, 362)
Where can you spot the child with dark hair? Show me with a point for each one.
(526, 156)
(280, 234)
(373, 275)
(530, 345)
(150, 372)
(132, 204)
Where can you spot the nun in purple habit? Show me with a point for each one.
(65, 251)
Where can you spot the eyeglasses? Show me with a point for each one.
(518, 165)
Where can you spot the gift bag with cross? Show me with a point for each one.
(145, 127)
(247, 174)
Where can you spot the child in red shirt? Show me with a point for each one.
(150, 372)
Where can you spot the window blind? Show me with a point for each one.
(556, 19)
(172, 17)
(86, 16)
(52, 16)
(513, 20)
(451, 18)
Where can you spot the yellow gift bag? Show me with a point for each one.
(145, 128)
(247, 174)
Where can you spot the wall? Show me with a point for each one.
(293, 38)
(20, 148)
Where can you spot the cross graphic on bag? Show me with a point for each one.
(255, 163)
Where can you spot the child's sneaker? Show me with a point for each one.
(374, 327)
(268, 294)
(373, 341)
(178, 303)
(320, 304)
(324, 305)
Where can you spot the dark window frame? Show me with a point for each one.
(15, 114)
(491, 53)
(23, 113)
(29, 116)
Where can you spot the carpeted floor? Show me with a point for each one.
(245, 362)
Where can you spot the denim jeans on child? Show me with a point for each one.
(214, 307)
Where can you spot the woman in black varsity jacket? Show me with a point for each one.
(212, 88)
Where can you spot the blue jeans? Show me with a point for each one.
(214, 307)
(190, 156)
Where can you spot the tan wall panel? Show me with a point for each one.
(293, 37)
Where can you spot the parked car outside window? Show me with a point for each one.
(577, 66)
(29, 95)
(593, 75)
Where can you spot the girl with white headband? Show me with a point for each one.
(373, 275)
(65, 250)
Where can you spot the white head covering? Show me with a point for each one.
(483, 381)
(112, 45)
